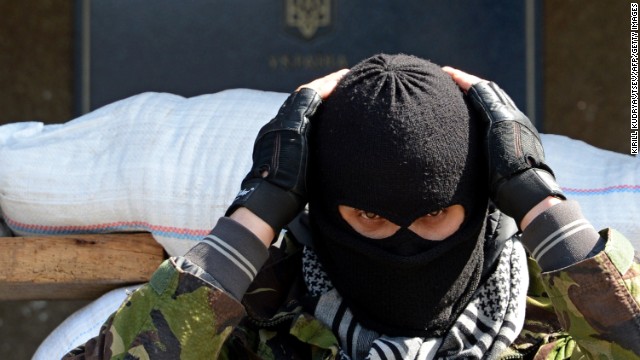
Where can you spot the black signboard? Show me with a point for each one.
(191, 47)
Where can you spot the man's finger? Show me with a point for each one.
(464, 80)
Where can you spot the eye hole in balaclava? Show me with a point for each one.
(397, 138)
(437, 225)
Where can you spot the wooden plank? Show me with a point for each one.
(75, 266)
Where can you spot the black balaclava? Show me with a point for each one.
(397, 138)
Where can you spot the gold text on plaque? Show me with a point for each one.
(307, 61)
(307, 15)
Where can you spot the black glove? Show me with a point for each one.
(280, 151)
(518, 176)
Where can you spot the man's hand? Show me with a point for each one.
(324, 86)
(275, 190)
(521, 184)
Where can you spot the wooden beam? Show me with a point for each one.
(75, 266)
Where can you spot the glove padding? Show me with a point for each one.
(519, 179)
(281, 152)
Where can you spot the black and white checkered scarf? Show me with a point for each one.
(488, 325)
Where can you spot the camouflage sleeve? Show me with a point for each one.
(597, 301)
(177, 315)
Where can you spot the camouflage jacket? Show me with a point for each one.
(587, 311)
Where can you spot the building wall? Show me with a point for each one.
(586, 96)
(36, 60)
(587, 70)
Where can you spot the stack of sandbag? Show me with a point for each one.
(171, 166)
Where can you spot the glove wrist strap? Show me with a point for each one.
(269, 202)
(519, 194)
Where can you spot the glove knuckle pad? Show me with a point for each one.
(505, 150)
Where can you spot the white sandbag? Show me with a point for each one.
(81, 326)
(605, 183)
(154, 162)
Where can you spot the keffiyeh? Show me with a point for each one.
(488, 325)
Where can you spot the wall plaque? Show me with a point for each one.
(192, 47)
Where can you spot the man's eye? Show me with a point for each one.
(369, 215)
(436, 213)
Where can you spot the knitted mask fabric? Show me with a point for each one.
(397, 138)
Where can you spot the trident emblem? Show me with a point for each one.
(308, 15)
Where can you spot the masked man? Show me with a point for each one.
(434, 230)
